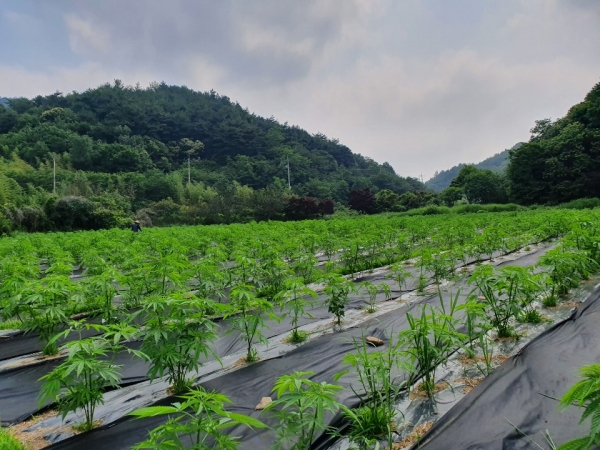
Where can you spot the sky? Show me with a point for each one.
(422, 84)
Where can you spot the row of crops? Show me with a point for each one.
(179, 318)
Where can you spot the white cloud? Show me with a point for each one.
(85, 37)
(422, 84)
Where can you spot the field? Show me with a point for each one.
(360, 332)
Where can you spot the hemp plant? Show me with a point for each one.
(338, 289)
(585, 393)
(566, 269)
(400, 275)
(246, 314)
(294, 302)
(177, 331)
(300, 407)
(372, 290)
(81, 379)
(201, 417)
(102, 290)
(42, 306)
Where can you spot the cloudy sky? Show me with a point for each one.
(423, 84)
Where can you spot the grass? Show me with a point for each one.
(368, 423)
(531, 316)
(8, 441)
(11, 324)
(297, 337)
(550, 301)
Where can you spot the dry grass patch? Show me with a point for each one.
(501, 358)
(569, 304)
(420, 392)
(417, 433)
(34, 440)
(469, 383)
(465, 360)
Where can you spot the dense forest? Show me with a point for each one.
(169, 155)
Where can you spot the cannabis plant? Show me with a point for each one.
(81, 379)
(200, 417)
(338, 289)
(300, 408)
(380, 379)
(585, 394)
(247, 316)
(177, 332)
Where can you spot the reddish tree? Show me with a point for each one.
(301, 208)
(326, 207)
(362, 201)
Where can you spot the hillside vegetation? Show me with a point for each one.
(127, 148)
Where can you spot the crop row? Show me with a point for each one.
(246, 284)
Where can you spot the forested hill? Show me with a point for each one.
(118, 129)
(496, 163)
(561, 161)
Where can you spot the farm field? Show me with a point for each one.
(360, 331)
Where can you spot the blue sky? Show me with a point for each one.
(423, 84)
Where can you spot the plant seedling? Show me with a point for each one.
(296, 299)
(338, 289)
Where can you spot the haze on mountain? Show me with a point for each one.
(496, 163)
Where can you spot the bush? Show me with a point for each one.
(581, 203)
(72, 213)
(428, 211)
(491, 207)
(105, 219)
(5, 225)
(34, 219)
(166, 212)
(302, 208)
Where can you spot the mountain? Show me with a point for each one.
(115, 129)
(496, 163)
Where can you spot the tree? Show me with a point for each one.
(387, 200)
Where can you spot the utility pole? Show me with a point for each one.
(288, 167)
(54, 174)
(189, 171)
